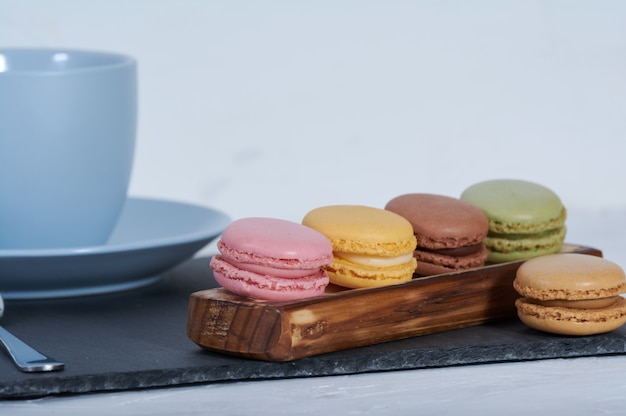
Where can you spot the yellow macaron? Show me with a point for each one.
(371, 246)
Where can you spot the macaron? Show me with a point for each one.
(450, 233)
(571, 294)
(526, 219)
(272, 259)
(372, 247)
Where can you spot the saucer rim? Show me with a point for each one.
(131, 264)
(222, 219)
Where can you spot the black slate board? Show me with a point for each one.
(136, 340)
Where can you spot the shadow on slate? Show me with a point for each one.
(137, 340)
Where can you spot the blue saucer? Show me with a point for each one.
(151, 237)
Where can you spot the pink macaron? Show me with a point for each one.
(272, 259)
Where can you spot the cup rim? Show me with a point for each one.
(115, 60)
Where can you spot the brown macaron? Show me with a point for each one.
(450, 233)
(571, 294)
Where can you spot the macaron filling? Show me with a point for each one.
(253, 260)
(456, 252)
(272, 271)
(319, 277)
(375, 261)
(577, 304)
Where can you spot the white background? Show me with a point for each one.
(272, 108)
(275, 107)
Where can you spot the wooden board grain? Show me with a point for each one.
(340, 319)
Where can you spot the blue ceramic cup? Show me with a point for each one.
(67, 140)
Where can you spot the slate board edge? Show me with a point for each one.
(53, 385)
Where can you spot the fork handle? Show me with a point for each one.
(25, 357)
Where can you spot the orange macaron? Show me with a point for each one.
(571, 294)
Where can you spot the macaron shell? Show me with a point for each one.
(516, 206)
(265, 287)
(363, 230)
(351, 275)
(440, 221)
(567, 321)
(275, 242)
(569, 276)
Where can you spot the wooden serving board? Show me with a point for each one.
(346, 318)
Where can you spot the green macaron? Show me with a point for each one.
(525, 219)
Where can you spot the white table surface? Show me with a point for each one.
(582, 386)
(274, 108)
